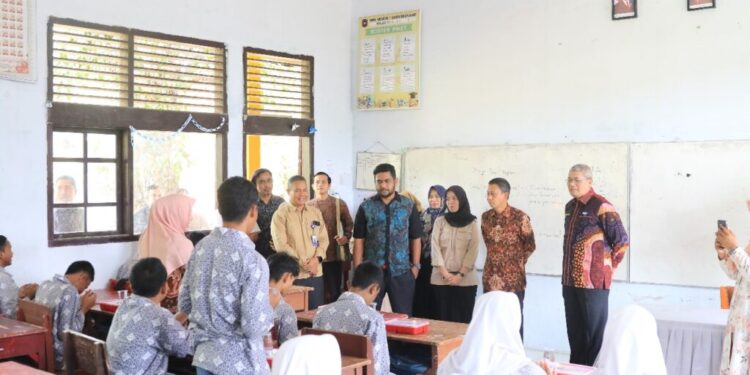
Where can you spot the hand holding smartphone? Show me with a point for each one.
(722, 224)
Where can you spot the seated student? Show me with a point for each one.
(10, 293)
(492, 344)
(630, 345)
(308, 355)
(353, 313)
(63, 295)
(225, 289)
(283, 269)
(143, 334)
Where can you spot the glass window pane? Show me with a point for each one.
(281, 155)
(68, 182)
(102, 146)
(102, 183)
(101, 219)
(67, 220)
(185, 163)
(67, 145)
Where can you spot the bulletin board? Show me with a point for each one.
(388, 61)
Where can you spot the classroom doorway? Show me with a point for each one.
(284, 155)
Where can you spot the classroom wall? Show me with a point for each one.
(319, 28)
(547, 71)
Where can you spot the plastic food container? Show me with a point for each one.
(408, 326)
(110, 305)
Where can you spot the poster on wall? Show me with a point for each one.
(366, 163)
(388, 61)
(17, 40)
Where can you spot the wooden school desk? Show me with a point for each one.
(297, 297)
(16, 368)
(441, 338)
(19, 338)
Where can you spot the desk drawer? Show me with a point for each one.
(22, 345)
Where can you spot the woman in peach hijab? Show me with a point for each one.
(164, 238)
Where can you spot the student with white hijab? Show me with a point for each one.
(630, 345)
(492, 344)
(308, 355)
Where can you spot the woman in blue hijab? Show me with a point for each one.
(424, 298)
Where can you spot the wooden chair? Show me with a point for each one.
(39, 315)
(84, 354)
(726, 293)
(353, 347)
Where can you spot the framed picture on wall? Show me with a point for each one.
(622, 9)
(700, 4)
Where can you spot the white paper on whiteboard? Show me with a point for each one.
(366, 163)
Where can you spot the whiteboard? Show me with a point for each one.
(366, 163)
(537, 174)
(679, 190)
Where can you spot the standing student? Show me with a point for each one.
(510, 242)
(735, 262)
(267, 206)
(339, 226)
(387, 231)
(283, 269)
(10, 293)
(225, 290)
(164, 238)
(424, 295)
(299, 230)
(143, 334)
(65, 297)
(353, 313)
(455, 240)
(594, 244)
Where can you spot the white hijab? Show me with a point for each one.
(308, 355)
(630, 345)
(492, 344)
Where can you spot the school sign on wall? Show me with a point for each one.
(388, 64)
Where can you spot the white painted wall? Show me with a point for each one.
(548, 71)
(320, 28)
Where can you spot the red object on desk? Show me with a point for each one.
(110, 305)
(407, 326)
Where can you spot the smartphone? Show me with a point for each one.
(722, 223)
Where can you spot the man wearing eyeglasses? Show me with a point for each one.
(594, 244)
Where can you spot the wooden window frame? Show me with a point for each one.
(271, 125)
(115, 119)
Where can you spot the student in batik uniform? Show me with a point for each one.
(225, 290)
(65, 298)
(283, 269)
(353, 313)
(143, 334)
(10, 293)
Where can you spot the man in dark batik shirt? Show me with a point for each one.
(267, 206)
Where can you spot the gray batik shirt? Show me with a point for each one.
(62, 298)
(225, 293)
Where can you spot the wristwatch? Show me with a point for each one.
(462, 274)
(419, 266)
(320, 259)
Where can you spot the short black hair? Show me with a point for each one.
(196, 236)
(294, 179)
(501, 183)
(259, 172)
(323, 174)
(3, 241)
(281, 263)
(385, 167)
(147, 277)
(81, 266)
(236, 197)
(366, 274)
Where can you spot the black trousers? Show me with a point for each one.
(455, 303)
(316, 296)
(400, 291)
(332, 280)
(424, 295)
(585, 315)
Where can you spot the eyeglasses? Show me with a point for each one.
(577, 180)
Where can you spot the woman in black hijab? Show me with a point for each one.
(454, 243)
